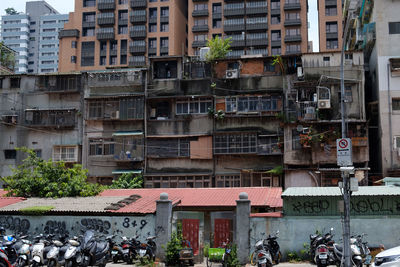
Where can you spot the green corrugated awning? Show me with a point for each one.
(131, 133)
(126, 171)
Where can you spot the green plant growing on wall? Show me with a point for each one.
(278, 170)
(126, 181)
(278, 61)
(36, 210)
(7, 57)
(174, 245)
(292, 256)
(219, 48)
(213, 85)
(36, 177)
(10, 11)
(233, 260)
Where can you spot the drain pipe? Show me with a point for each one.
(390, 118)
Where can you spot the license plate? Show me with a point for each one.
(114, 252)
(323, 256)
(126, 250)
(142, 252)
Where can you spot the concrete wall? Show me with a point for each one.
(143, 226)
(295, 231)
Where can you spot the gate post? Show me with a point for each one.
(243, 227)
(163, 224)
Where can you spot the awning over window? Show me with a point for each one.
(126, 171)
(131, 133)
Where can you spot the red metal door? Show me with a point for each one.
(222, 231)
(190, 232)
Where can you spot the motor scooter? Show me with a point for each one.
(40, 249)
(262, 254)
(73, 254)
(94, 252)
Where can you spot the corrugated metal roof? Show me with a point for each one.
(6, 201)
(67, 204)
(199, 197)
(335, 191)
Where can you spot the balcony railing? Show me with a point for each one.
(331, 35)
(306, 110)
(88, 24)
(106, 4)
(164, 19)
(68, 33)
(292, 6)
(164, 50)
(135, 63)
(113, 52)
(122, 22)
(62, 83)
(238, 43)
(200, 28)
(109, 20)
(256, 10)
(138, 19)
(292, 52)
(330, 3)
(257, 26)
(105, 35)
(276, 11)
(137, 34)
(138, 3)
(196, 44)
(123, 51)
(292, 22)
(292, 38)
(275, 43)
(57, 118)
(257, 42)
(200, 13)
(234, 27)
(152, 51)
(134, 49)
(233, 12)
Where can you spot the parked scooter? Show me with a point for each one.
(40, 249)
(262, 254)
(94, 252)
(316, 240)
(147, 250)
(274, 248)
(24, 253)
(322, 254)
(356, 259)
(53, 256)
(73, 254)
(4, 262)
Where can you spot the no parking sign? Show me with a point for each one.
(344, 152)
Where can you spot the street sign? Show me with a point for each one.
(344, 152)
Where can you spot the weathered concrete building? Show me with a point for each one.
(43, 113)
(313, 120)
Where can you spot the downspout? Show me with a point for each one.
(390, 118)
(145, 123)
(312, 174)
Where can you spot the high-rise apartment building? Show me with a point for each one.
(120, 33)
(267, 27)
(31, 34)
(330, 25)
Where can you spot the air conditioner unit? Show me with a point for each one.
(115, 114)
(203, 52)
(324, 104)
(300, 74)
(232, 74)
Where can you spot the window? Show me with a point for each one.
(217, 23)
(152, 27)
(395, 103)
(275, 35)
(89, 3)
(74, 44)
(348, 94)
(10, 154)
(327, 59)
(32, 31)
(169, 148)
(153, 12)
(164, 27)
(123, 2)
(165, 12)
(292, 16)
(330, 11)
(101, 146)
(235, 143)
(216, 8)
(293, 32)
(88, 32)
(113, 60)
(227, 180)
(276, 51)
(332, 44)
(268, 145)
(65, 153)
(331, 27)
(15, 82)
(164, 42)
(275, 4)
(296, 145)
(394, 27)
(31, 62)
(73, 59)
(396, 142)
(89, 17)
(122, 29)
(87, 54)
(193, 106)
(276, 19)
(268, 66)
(294, 48)
(103, 60)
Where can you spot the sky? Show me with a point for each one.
(66, 6)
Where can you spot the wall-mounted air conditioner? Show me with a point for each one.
(115, 114)
(324, 97)
(324, 104)
(203, 52)
(232, 74)
(300, 74)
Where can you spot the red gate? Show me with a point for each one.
(222, 231)
(190, 232)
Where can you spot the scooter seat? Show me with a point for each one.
(101, 247)
(338, 248)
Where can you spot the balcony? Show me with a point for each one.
(138, 3)
(135, 63)
(138, 18)
(164, 50)
(292, 6)
(257, 26)
(134, 49)
(331, 35)
(238, 43)
(292, 38)
(137, 34)
(106, 4)
(88, 24)
(217, 15)
(113, 52)
(105, 35)
(152, 51)
(52, 118)
(257, 10)
(275, 43)
(68, 33)
(59, 84)
(234, 27)
(122, 22)
(196, 44)
(164, 19)
(257, 42)
(233, 12)
(275, 11)
(292, 22)
(200, 28)
(330, 3)
(106, 20)
(292, 52)
(200, 13)
(153, 20)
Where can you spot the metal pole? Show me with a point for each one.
(345, 176)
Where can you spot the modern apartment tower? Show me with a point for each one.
(330, 25)
(30, 34)
(120, 33)
(266, 27)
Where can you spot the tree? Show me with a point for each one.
(219, 48)
(36, 177)
(7, 57)
(10, 11)
(128, 180)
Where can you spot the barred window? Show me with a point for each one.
(235, 143)
(101, 146)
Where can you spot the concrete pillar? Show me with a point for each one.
(243, 227)
(163, 224)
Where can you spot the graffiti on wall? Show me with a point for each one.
(374, 205)
(311, 207)
(98, 225)
(55, 227)
(15, 224)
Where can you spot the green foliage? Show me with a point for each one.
(292, 256)
(174, 245)
(10, 11)
(36, 177)
(7, 57)
(233, 260)
(305, 252)
(205, 249)
(127, 180)
(278, 170)
(219, 48)
(218, 115)
(36, 210)
(278, 61)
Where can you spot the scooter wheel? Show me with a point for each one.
(278, 258)
(115, 259)
(21, 262)
(51, 264)
(69, 264)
